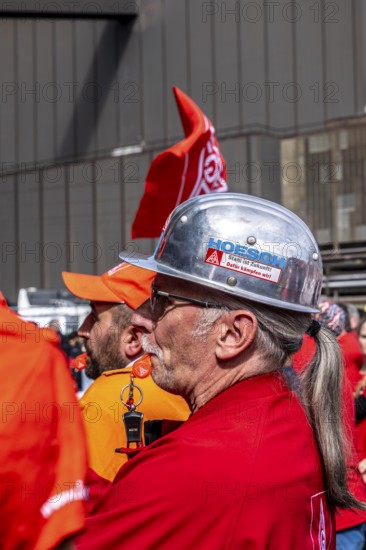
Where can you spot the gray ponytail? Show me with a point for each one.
(322, 397)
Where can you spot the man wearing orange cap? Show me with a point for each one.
(43, 449)
(113, 344)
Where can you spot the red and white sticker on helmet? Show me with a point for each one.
(252, 268)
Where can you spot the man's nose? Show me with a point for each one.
(85, 327)
(141, 318)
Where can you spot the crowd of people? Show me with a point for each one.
(244, 427)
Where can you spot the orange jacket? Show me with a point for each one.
(43, 450)
(102, 411)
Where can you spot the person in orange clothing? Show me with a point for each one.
(112, 345)
(43, 449)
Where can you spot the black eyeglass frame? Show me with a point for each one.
(155, 293)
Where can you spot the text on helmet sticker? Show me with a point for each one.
(245, 259)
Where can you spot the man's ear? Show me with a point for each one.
(235, 333)
(131, 341)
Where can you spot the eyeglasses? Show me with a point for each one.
(158, 306)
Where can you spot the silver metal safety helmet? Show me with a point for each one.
(242, 245)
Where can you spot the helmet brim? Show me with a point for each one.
(139, 260)
(148, 262)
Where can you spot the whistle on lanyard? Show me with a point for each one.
(133, 419)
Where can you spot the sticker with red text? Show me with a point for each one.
(252, 268)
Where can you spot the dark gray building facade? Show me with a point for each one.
(87, 102)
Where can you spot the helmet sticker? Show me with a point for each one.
(245, 259)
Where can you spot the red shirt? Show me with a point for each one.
(353, 357)
(43, 451)
(353, 363)
(242, 472)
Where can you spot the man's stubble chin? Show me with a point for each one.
(150, 348)
(162, 376)
(92, 370)
(107, 357)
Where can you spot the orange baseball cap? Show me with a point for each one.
(124, 283)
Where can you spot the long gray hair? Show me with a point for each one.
(280, 335)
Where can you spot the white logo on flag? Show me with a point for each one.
(210, 169)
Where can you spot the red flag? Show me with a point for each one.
(194, 166)
(3, 302)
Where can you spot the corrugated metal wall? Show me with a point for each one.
(74, 89)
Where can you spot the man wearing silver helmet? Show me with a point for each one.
(256, 465)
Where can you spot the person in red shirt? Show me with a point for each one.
(252, 467)
(361, 399)
(348, 340)
(361, 335)
(43, 448)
